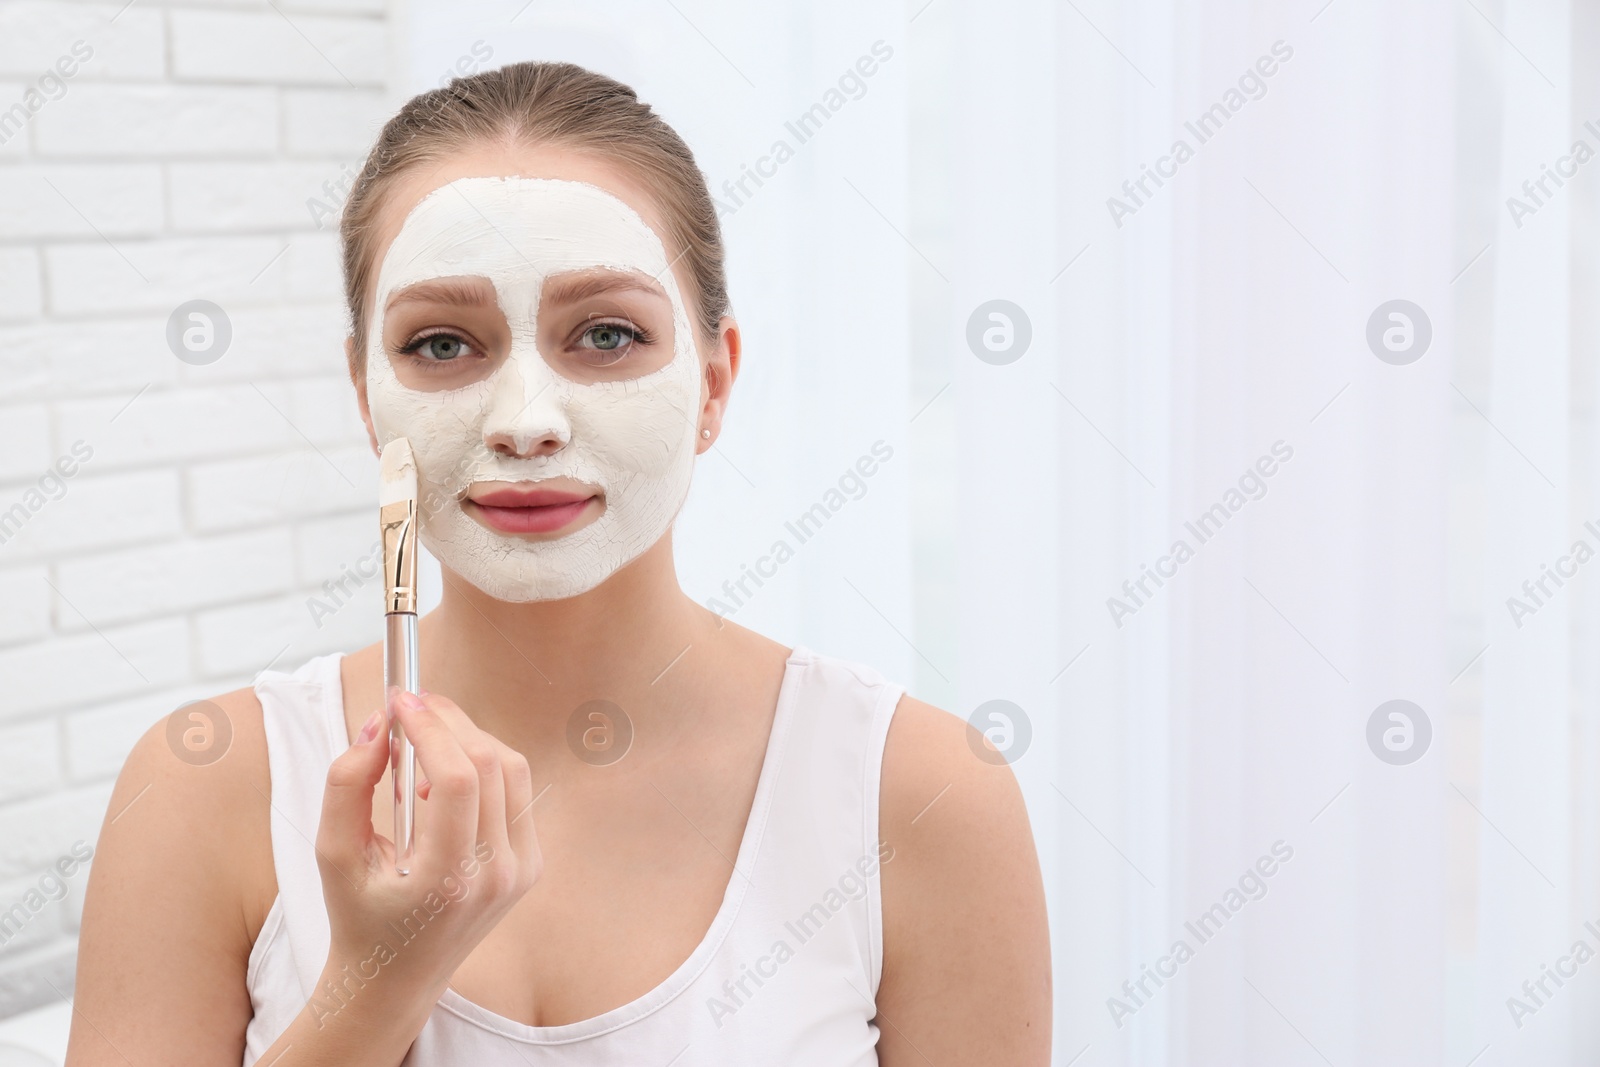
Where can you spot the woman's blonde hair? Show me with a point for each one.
(540, 103)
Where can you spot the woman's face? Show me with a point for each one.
(530, 338)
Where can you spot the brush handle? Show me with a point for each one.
(400, 674)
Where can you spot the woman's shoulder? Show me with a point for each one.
(932, 756)
(207, 757)
(962, 895)
(174, 899)
(201, 782)
(926, 745)
(201, 772)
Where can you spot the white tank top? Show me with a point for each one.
(787, 973)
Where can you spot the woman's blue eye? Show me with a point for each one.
(440, 347)
(607, 337)
(436, 350)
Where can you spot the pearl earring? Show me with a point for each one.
(705, 433)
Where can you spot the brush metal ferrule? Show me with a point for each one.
(398, 525)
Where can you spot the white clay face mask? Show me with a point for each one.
(634, 438)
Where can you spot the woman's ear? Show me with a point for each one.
(360, 382)
(722, 367)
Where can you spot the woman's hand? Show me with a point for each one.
(476, 852)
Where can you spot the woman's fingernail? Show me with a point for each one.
(369, 730)
(410, 700)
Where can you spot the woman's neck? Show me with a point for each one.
(519, 670)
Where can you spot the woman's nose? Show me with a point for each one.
(526, 414)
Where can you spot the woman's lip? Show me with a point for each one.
(544, 518)
(528, 498)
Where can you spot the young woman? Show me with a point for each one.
(745, 853)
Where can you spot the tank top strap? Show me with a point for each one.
(299, 713)
(823, 827)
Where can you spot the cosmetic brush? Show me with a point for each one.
(397, 522)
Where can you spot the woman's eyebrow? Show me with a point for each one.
(567, 288)
(476, 294)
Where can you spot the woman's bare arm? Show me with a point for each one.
(966, 973)
(163, 946)
(165, 940)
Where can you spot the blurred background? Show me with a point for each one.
(1236, 366)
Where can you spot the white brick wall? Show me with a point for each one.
(176, 162)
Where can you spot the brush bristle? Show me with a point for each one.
(397, 473)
